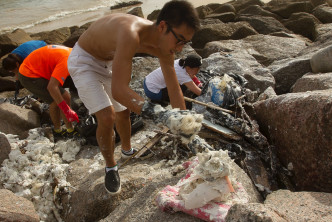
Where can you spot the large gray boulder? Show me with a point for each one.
(311, 82)
(7, 83)
(253, 212)
(239, 5)
(300, 127)
(321, 30)
(14, 208)
(258, 10)
(302, 23)
(323, 13)
(301, 206)
(287, 71)
(222, 8)
(9, 41)
(57, 36)
(16, 120)
(265, 48)
(284, 205)
(263, 24)
(286, 9)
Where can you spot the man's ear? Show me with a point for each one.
(162, 26)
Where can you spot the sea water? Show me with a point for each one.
(45, 15)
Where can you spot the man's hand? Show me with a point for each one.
(181, 122)
(69, 113)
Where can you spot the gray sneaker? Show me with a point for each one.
(112, 181)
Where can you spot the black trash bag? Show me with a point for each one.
(88, 127)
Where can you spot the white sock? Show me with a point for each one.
(111, 168)
(129, 152)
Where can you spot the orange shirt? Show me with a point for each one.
(46, 62)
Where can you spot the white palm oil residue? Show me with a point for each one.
(37, 170)
(207, 181)
(184, 122)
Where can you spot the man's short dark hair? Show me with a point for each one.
(9, 63)
(177, 12)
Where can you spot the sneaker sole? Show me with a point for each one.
(113, 193)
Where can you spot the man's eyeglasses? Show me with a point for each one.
(179, 41)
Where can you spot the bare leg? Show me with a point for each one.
(105, 134)
(55, 115)
(123, 127)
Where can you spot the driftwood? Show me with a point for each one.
(147, 146)
(208, 105)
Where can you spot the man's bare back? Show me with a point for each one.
(103, 36)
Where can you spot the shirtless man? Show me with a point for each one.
(101, 64)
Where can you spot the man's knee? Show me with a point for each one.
(106, 117)
(123, 115)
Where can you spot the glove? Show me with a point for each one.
(181, 122)
(69, 113)
(197, 82)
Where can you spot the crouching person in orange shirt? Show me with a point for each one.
(43, 73)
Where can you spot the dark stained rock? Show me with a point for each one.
(262, 24)
(266, 49)
(239, 5)
(321, 30)
(317, 2)
(70, 42)
(203, 11)
(9, 41)
(302, 23)
(224, 8)
(299, 125)
(56, 37)
(125, 4)
(323, 13)
(258, 10)
(7, 83)
(287, 71)
(14, 208)
(224, 17)
(154, 15)
(136, 11)
(5, 148)
(243, 30)
(213, 6)
(16, 120)
(287, 9)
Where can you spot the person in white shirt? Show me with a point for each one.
(186, 71)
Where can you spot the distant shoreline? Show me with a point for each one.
(148, 6)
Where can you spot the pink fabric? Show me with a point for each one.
(169, 200)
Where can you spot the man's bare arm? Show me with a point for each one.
(121, 73)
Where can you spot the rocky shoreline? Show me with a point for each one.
(288, 177)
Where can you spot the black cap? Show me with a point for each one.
(193, 60)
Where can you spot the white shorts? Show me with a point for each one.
(92, 78)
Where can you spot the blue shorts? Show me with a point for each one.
(151, 95)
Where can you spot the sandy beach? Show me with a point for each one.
(148, 6)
